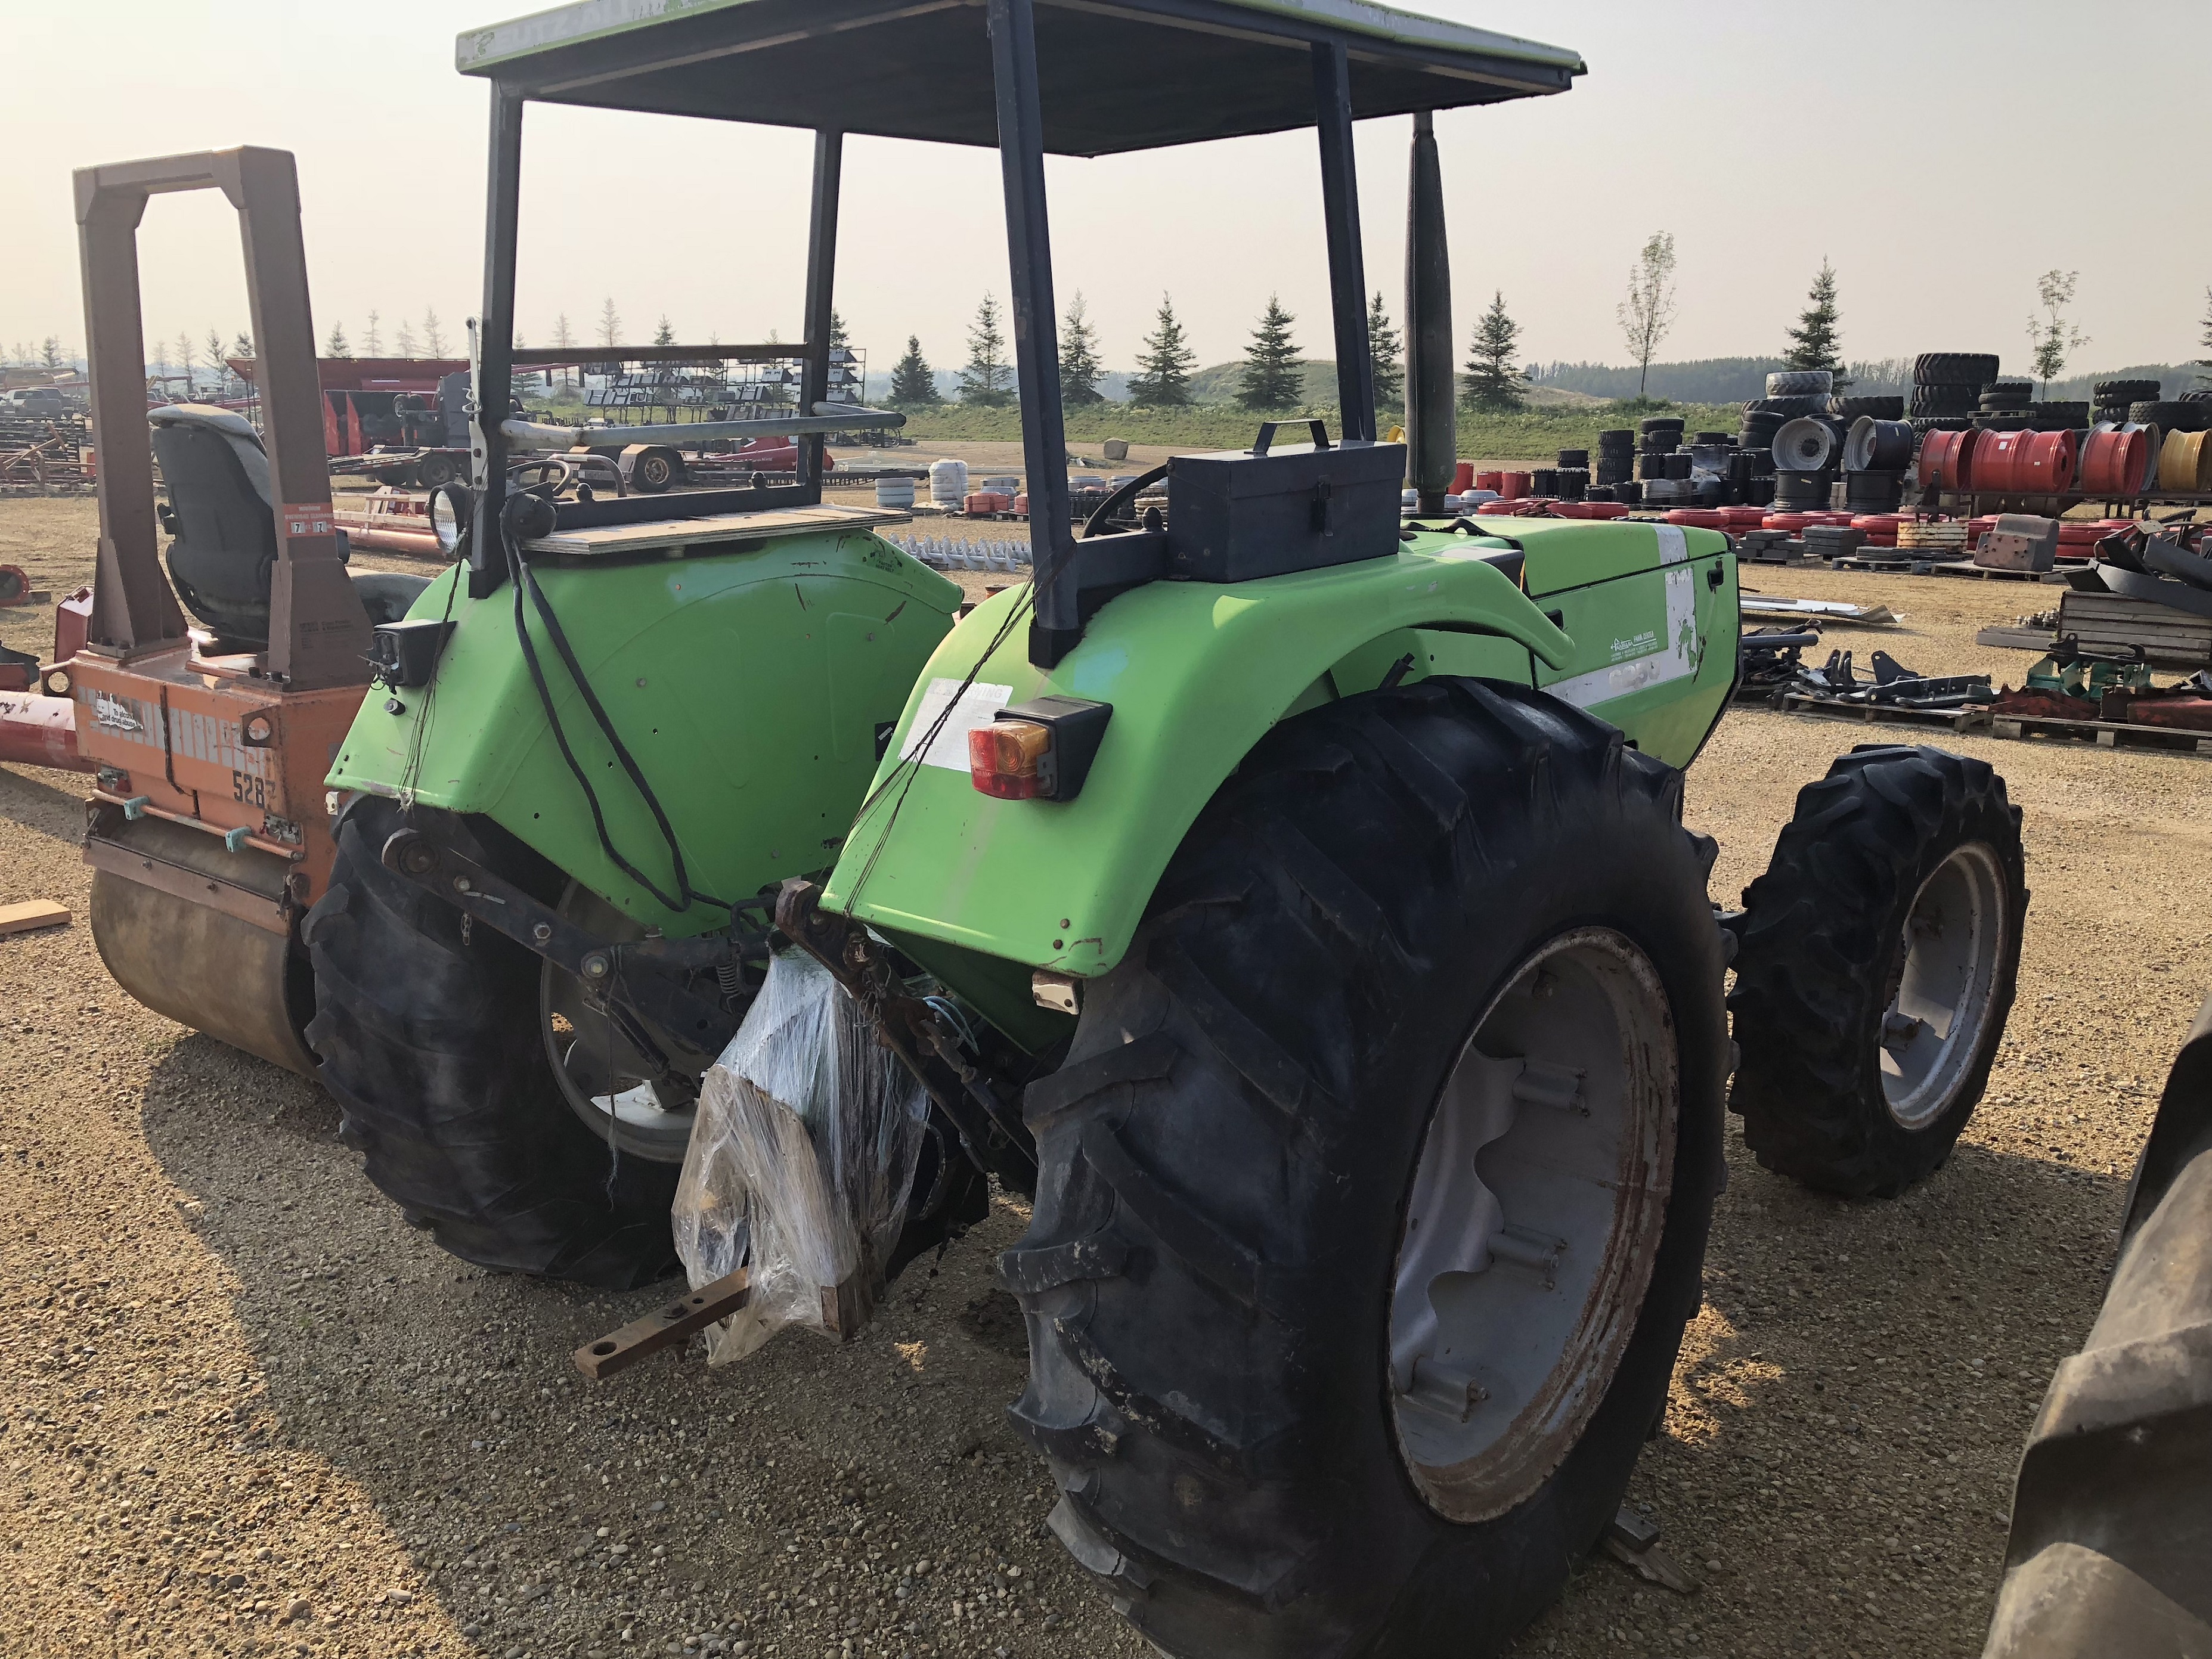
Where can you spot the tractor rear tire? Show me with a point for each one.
(1228, 1159)
(433, 1049)
(1841, 1084)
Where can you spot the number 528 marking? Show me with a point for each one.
(254, 792)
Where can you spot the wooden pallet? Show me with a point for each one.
(2012, 637)
(2114, 623)
(1891, 566)
(1949, 720)
(2106, 734)
(1968, 567)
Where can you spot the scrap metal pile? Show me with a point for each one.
(41, 455)
(1774, 670)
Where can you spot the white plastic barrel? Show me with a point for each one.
(895, 494)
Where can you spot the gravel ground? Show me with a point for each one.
(245, 1409)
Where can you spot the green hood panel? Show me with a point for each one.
(750, 687)
(1197, 673)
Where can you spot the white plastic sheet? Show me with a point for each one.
(805, 1141)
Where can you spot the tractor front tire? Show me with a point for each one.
(432, 1046)
(1876, 964)
(1236, 1159)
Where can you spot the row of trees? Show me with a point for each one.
(1647, 313)
(1270, 379)
(47, 354)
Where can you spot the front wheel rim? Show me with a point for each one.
(1541, 1189)
(1948, 966)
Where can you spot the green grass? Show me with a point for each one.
(1531, 437)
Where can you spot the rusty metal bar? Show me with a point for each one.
(666, 1327)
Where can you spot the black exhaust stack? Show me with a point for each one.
(1432, 397)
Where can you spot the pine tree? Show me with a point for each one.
(1388, 353)
(1079, 367)
(373, 341)
(243, 345)
(404, 340)
(50, 352)
(987, 381)
(215, 356)
(1492, 385)
(185, 355)
(609, 324)
(663, 332)
(1164, 366)
(1816, 341)
(1270, 378)
(913, 385)
(336, 346)
(837, 330)
(434, 334)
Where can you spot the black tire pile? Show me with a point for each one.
(1947, 389)
(2115, 399)
(2177, 415)
(1616, 466)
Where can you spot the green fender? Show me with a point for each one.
(1198, 672)
(754, 687)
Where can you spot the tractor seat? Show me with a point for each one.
(222, 513)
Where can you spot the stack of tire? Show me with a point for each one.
(2114, 398)
(1661, 459)
(1757, 432)
(2002, 406)
(2177, 415)
(1573, 474)
(1616, 456)
(1947, 389)
(1877, 453)
(1800, 395)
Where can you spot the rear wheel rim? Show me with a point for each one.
(1948, 966)
(1535, 1220)
(601, 1076)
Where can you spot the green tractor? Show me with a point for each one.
(1288, 900)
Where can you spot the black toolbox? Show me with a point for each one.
(1243, 513)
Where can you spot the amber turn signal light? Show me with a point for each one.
(1040, 750)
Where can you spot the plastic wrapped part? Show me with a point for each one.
(804, 1149)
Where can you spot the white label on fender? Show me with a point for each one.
(1673, 545)
(1673, 656)
(977, 706)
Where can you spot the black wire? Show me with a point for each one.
(520, 574)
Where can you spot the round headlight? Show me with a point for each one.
(451, 507)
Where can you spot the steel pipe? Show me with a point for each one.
(41, 730)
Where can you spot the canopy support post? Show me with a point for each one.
(1347, 269)
(1430, 391)
(821, 299)
(495, 355)
(1057, 625)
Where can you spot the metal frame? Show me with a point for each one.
(318, 630)
(1068, 570)
(631, 54)
(495, 357)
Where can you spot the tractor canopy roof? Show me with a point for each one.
(1114, 75)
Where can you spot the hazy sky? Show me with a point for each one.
(1941, 152)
